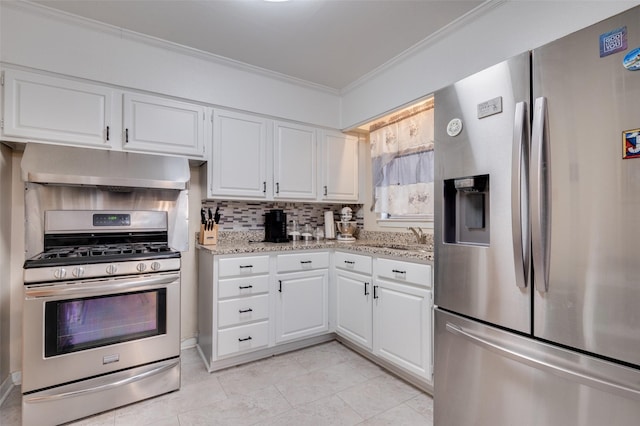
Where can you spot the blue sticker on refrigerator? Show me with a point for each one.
(631, 60)
(631, 144)
(613, 41)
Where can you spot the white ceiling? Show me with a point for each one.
(332, 43)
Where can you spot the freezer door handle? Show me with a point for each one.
(564, 368)
(519, 192)
(540, 201)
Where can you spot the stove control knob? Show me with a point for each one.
(78, 272)
(60, 273)
(155, 266)
(112, 269)
(141, 267)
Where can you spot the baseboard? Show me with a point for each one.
(188, 343)
(5, 389)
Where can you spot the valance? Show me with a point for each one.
(402, 163)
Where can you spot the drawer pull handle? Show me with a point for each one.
(305, 261)
(244, 311)
(244, 340)
(398, 271)
(280, 287)
(375, 293)
(246, 266)
(366, 289)
(349, 262)
(243, 287)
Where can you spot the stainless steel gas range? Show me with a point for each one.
(101, 313)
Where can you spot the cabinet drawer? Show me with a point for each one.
(243, 286)
(246, 309)
(243, 266)
(353, 262)
(408, 272)
(302, 261)
(243, 338)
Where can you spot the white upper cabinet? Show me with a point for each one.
(51, 109)
(239, 165)
(161, 125)
(295, 162)
(339, 167)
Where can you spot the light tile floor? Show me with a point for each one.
(327, 384)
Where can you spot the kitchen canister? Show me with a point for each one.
(329, 226)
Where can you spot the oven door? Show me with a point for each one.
(81, 329)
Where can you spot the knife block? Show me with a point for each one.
(208, 237)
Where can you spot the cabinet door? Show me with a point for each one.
(301, 305)
(238, 167)
(402, 326)
(156, 124)
(339, 167)
(295, 159)
(50, 109)
(354, 309)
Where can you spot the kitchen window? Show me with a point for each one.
(403, 164)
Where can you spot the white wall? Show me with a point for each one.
(36, 38)
(5, 266)
(16, 261)
(500, 31)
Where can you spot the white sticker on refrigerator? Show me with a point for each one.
(454, 127)
(490, 107)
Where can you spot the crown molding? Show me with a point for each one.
(163, 44)
(473, 14)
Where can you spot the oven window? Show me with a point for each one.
(77, 324)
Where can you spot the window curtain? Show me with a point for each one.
(402, 164)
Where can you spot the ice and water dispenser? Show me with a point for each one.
(466, 210)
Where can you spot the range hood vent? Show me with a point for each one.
(60, 165)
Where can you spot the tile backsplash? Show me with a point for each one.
(249, 215)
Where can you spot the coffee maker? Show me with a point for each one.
(275, 226)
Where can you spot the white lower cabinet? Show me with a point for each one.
(302, 298)
(402, 326)
(233, 305)
(253, 306)
(389, 315)
(354, 308)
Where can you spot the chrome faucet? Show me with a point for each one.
(421, 237)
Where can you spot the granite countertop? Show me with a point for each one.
(413, 252)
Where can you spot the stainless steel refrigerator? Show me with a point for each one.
(537, 236)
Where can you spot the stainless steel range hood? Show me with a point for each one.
(60, 165)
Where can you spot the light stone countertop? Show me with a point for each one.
(411, 252)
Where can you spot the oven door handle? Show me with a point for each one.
(167, 365)
(100, 288)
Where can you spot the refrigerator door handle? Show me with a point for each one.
(563, 368)
(540, 202)
(519, 191)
